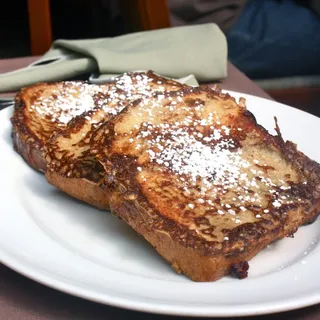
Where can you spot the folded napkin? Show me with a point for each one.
(199, 50)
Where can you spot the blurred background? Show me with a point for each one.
(28, 27)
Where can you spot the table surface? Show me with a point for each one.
(25, 299)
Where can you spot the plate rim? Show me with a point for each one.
(127, 304)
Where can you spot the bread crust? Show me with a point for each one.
(81, 189)
(25, 141)
(32, 154)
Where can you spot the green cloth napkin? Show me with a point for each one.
(198, 50)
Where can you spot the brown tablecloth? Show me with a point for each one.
(24, 299)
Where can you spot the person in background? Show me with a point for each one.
(266, 38)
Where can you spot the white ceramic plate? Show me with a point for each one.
(67, 245)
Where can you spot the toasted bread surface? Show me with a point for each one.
(45, 109)
(208, 187)
(68, 152)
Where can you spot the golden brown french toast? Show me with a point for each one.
(71, 166)
(202, 182)
(45, 109)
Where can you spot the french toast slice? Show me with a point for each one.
(206, 185)
(70, 165)
(45, 109)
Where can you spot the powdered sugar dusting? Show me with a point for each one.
(72, 98)
(185, 154)
(205, 159)
(66, 102)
